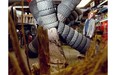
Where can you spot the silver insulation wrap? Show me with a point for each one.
(44, 13)
(65, 8)
(73, 38)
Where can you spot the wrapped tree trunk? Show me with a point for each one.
(43, 52)
(51, 56)
(57, 57)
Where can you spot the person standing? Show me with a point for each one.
(89, 26)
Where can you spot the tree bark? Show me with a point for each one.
(50, 51)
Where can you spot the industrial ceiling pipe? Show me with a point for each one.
(44, 13)
(67, 21)
(72, 37)
(74, 16)
(71, 17)
(65, 8)
(80, 13)
(76, 13)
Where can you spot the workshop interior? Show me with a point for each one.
(58, 37)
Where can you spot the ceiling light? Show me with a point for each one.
(83, 3)
(21, 6)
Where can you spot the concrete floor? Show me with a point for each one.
(70, 53)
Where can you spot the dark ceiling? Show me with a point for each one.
(56, 2)
(26, 3)
(19, 3)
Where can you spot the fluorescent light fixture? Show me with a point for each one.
(18, 12)
(83, 3)
(102, 3)
(21, 6)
